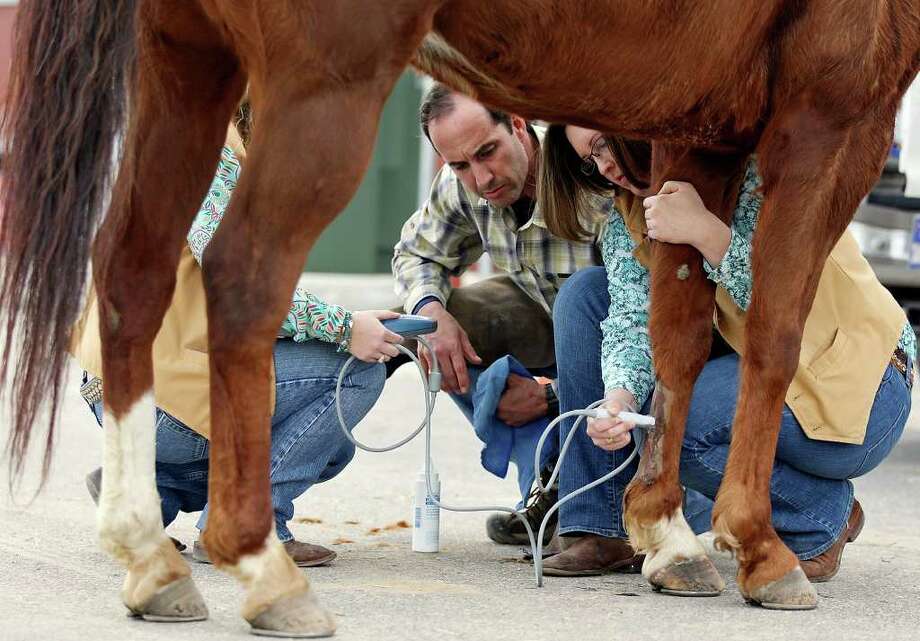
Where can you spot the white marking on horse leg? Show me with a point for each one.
(268, 575)
(668, 541)
(129, 519)
(130, 525)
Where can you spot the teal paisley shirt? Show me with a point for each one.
(309, 317)
(626, 357)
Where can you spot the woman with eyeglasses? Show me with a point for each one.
(844, 420)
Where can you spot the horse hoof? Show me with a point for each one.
(177, 602)
(299, 616)
(792, 592)
(690, 577)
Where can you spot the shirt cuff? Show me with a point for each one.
(423, 302)
(639, 386)
(723, 272)
(420, 293)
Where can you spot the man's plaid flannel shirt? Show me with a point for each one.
(453, 229)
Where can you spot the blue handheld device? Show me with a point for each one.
(410, 325)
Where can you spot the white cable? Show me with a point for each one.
(434, 382)
(432, 385)
(592, 411)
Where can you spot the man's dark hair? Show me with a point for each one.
(439, 101)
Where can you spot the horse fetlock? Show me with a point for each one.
(740, 523)
(670, 540)
(129, 537)
(268, 575)
(724, 540)
(792, 591)
(149, 574)
(646, 536)
(649, 511)
(295, 616)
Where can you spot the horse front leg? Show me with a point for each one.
(680, 328)
(681, 333)
(310, 146)
(815, 172)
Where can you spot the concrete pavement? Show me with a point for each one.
(55, 583)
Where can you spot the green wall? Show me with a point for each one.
(361, 239)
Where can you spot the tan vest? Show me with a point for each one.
(181, 374)
(850, 335)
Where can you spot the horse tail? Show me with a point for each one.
(66, 108)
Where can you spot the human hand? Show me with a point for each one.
(451, 346)
(523, 401)
(612, 433)
(677, 214)
(370, 340)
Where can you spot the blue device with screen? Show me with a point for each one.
(409, 325)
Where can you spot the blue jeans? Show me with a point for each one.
(307, 444)
(811, 494)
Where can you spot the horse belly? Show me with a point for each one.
(609, 65)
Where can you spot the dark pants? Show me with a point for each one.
(500, 319)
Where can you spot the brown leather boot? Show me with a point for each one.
(305, 555)
(592, 555)
(308, 555)
(824, 566)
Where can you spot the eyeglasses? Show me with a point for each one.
(588, 164)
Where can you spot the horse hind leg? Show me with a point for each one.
(183, 100)
(297, 198)
(308, 152)
(158, 584)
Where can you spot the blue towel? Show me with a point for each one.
(504, 443)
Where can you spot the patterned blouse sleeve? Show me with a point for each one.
(734, 272)
(309, 317)
(626, 354)
(215, 203)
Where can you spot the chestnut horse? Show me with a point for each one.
(811, 86)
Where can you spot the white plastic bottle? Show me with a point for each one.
(426, 515)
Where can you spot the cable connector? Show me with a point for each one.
(434, 382)
(640, 420)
